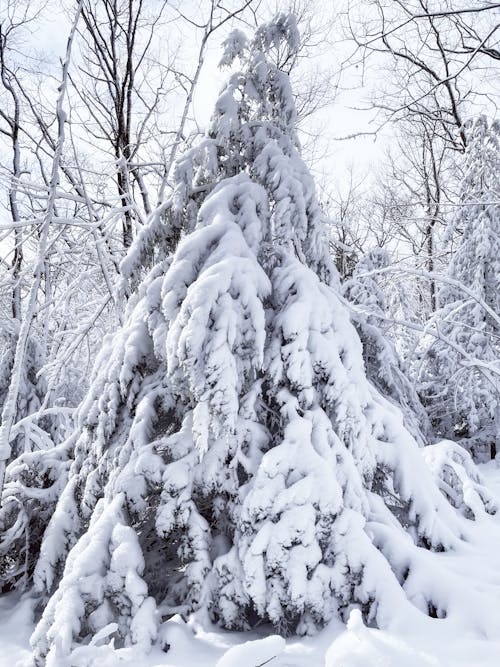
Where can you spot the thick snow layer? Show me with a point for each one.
(15, 630)
(416, 641)
(258, 652)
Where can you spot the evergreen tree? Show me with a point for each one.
(230, 439)
(460, 377)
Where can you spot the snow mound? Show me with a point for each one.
(16, 625)
(364, 647)
(251, 654)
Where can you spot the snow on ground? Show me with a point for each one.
(15, 629)
(426, 643)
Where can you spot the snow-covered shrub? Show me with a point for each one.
(459, 479)
(37, 472)
(383, 365)
(230, 438)
(33, 483)
(460, 376)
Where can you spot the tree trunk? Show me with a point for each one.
(429, 233)
(495, 443)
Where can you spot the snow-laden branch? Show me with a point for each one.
(487, 369)
(432, 275)
(27, 421)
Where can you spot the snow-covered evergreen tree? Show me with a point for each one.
(383, 364)
(460, 376)
(230, 441)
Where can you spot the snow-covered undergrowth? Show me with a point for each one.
(459, 479)
(412, 639)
